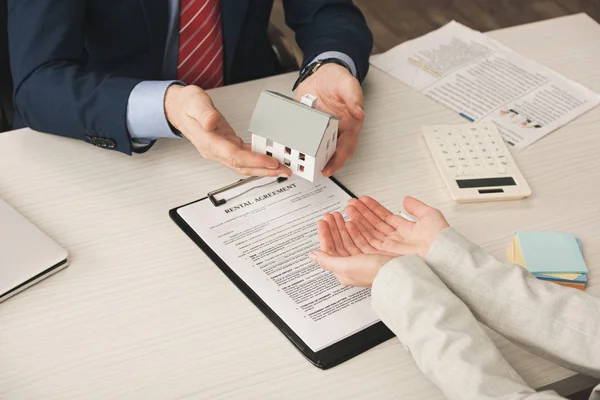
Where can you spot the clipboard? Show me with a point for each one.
(326, 358)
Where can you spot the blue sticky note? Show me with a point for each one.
(550, 252)
(580, 279)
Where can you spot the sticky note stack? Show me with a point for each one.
(554, 257)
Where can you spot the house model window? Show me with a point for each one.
(294, 133)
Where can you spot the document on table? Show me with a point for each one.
(265, 236)
(484, 80)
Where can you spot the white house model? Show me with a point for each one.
(294, 133)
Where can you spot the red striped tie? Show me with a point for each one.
(200, 43)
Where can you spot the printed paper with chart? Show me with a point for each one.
(484, 80)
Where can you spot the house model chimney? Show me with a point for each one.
(309, 100)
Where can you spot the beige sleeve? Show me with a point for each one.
(558, 323)
(446, 341)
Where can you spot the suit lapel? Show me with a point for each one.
(156, 13)
(233, 14)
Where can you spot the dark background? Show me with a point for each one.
(395, 21)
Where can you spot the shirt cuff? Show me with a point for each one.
(340, 56)
(146, 119)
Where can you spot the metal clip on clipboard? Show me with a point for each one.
(219, 202)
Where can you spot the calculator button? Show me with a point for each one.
(451, 167)
(490, 165)
(457, 152)
(464, 165)
(502, 160)
(477, 165)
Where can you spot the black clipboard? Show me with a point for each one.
(326, 358)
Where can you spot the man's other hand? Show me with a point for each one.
(191, 111)
(339, 93)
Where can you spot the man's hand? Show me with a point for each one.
(391, 233)
(191, 111)
(339, 94)
(346, 253)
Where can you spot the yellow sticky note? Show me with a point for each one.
(510, 254)
(569, 277)
(518, 253)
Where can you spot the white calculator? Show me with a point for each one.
(475, 163)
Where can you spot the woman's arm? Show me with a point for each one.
(558, 323)
(444, 338)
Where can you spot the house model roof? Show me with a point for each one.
(289, 122)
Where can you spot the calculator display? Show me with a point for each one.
(485, 182)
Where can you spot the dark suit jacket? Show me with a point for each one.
(75, 62)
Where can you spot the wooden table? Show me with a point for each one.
(141, 313)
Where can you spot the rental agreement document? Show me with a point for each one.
(265, 235)
(483, 80)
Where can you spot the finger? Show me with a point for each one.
(202, 109)
(351, 93)
(356, 216)
(240, 158)
(341, 267)
(325, 238)
(261, 171)
(335, 234)
(211, 120)
(376, 222)
(345, 149)
(248, 148)
(358, 238)
(368, 233)
(346, 239)
(416, 207)
(335, 264)
(395, 221)
(245, 162)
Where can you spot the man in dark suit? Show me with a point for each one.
(122, 73)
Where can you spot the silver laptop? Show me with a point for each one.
(27, 255)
